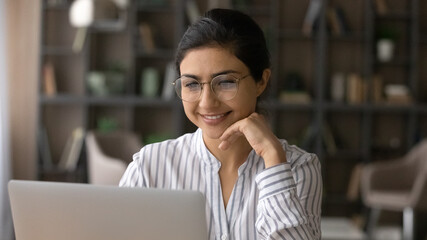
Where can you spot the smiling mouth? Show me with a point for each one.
(214, 117)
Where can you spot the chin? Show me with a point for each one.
(210, 133)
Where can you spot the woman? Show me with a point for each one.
(256, 186)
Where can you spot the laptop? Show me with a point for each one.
(52, 211)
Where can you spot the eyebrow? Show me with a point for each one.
(212, 75)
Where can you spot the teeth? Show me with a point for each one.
(214, 117)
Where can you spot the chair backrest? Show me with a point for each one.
(418, 154)
(109, 155)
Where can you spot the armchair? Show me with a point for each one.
(397, 185)
(109, 154)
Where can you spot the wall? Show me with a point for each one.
(23, 18)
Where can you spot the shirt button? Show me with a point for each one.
(224, 237)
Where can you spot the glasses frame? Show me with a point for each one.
(211, 87)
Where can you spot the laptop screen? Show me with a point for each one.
(48, 211)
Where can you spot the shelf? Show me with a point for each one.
(107, 101)
(158, 53)
(394, 16)
(57, 7)
(61, 99)
(344, 107)
(155, 9)
(131, 101)
(349, 37)
(393, 108)
(357, 128)
(255, 11)
(345, 154)
(58, 50)
(294, 34)
(280, 106)
(393, 63)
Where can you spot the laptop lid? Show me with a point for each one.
(51, 211)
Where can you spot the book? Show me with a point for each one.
(337, 21)
(147, 37)
(79, 39)
(71, 154)
(300, 97)
(44, 148)
(397, 94)
(219, 4)
(377, 89)
(342, 20)
(381, 7)
(329, 139)
(338, 87)
(353, 189)
(355, 89)
(311, 16)
(170, 76)
(308, 137)
(333, 23)
(192, 10)
(49, 80)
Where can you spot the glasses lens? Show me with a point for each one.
(224, 87)
(188, 89)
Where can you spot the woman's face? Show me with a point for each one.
(209, 113)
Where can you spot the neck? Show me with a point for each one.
(232, 158)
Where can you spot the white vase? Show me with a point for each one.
(385, 50)
(149, 82)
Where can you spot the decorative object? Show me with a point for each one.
(397, 94)
(386, 38)
(150, 82)
(385, 50)
(107, 15)
(107, 124)
(338, 87)
(293, 90)
(105, 83)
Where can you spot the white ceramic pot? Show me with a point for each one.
(385, 50)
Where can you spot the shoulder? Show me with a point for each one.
(165, 148)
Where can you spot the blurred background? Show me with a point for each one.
(86, 79)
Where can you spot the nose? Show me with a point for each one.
(208, 98)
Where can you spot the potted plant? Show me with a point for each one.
(386, 39)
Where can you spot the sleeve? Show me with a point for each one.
(289, 204)
(133, 176)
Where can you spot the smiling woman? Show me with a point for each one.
(256, 185)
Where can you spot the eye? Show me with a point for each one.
(225, 83)
(190, 84)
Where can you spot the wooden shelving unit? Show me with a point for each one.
(362, 132)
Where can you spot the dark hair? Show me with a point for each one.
(230, 29)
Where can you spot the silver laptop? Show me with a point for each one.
(52, 211)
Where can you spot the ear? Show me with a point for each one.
(261, 85)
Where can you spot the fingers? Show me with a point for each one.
(230, 135)
(250, 127)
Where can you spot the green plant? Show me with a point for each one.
(387, 32)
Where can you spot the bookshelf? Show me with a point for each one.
(343, 132)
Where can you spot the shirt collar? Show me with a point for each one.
(203, 152)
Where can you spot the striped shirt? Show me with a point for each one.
(280, 202)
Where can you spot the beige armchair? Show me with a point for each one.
(109, 154)
(397, 185)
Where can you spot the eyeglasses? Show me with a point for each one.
(224, 87)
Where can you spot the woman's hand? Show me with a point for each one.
(256, 131)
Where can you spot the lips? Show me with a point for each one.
(214, 118)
